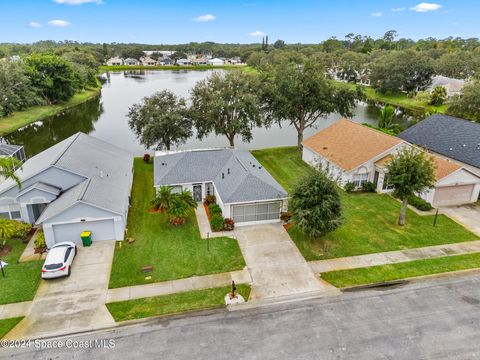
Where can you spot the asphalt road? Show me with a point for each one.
(435, 319)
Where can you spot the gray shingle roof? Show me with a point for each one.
(244, 179)
(41, 186)
(452, 137)
(106, 168)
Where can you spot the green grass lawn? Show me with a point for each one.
(376, 274)
(175, 303)
(370, 219)
(36, 113)
(174, 252)
(8, 324)
(400, 100)
(21, 279)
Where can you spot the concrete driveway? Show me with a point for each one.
(72, 304)
(467, 215)
(275, 264)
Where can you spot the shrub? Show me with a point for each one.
(349, 186)
(146, 158)
(20, 230)
(214, 209)
(369, 187)
(216, 222)
(419, 203)
(228, 224)
(210, 199)
(285, 216)
(40, 240)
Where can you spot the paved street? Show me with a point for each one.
(435, 319)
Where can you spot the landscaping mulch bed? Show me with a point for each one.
(5, 250)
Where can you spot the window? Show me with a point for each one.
(15, 215)
(176, 189)
(256, 212)
(5, 215)
(386, 185)
(360, 179)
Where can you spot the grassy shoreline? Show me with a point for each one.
(20, 119)
(170, 67)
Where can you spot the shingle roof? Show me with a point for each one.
(349, 144)
(452, 137)
(41, 186)
(8, 149)
(107, 170)
(244, 178)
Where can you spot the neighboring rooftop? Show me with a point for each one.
(349, 144)
(236, 174)
(452, 137)
(107, 170)
(8, 149)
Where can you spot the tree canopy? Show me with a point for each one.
(227, 104)
(467, 105)
(160, 121)
(315, 204)
(410, 172)
(302, 95)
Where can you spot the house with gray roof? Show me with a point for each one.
(80, 184)
(245, 191)
(452, 137)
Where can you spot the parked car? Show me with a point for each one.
(59, 260)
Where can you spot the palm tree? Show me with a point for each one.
(178, 210)
(7, 229)
(8, 165)
(386, 117)
(187, 197)
(163, 198)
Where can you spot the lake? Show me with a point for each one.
(105, 117)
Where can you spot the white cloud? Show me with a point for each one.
(58, 23)
(376, 14)
(426, 7)
(399, 9)
(257, 33)
(77, 2)
(205, 18)
(34, 24)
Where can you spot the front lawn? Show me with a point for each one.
(174, 251)
(174, 303)
(8, 324)
(21, 279)
(376, 274)
(370, 219)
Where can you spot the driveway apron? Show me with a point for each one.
(75, 303)
(275, 264)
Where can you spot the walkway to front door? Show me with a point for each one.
(275, 264)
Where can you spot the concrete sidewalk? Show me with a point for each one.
(204, 225)
(176, 286)
(393, 257)
(8, 311)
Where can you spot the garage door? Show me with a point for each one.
(453, 195)
(256, 212)
(101, 230)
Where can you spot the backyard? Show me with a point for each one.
(173, 251)
(21, 279)
(370, 219)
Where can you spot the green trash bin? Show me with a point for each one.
(86, 238)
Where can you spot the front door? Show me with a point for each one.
(197, 192)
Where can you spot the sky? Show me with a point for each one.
(232, 21)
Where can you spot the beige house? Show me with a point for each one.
(355, 153)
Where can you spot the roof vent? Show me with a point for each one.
(325, 148)
(101, 174)
(223, 175)
(451, 149)
(228, 171)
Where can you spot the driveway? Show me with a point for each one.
(467, 215)
(275, 264)
(72, 304)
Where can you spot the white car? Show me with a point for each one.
(59, 260)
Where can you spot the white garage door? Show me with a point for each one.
(256, 212)
(453, 195)
(101, 230)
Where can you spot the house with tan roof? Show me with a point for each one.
(354, 153)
